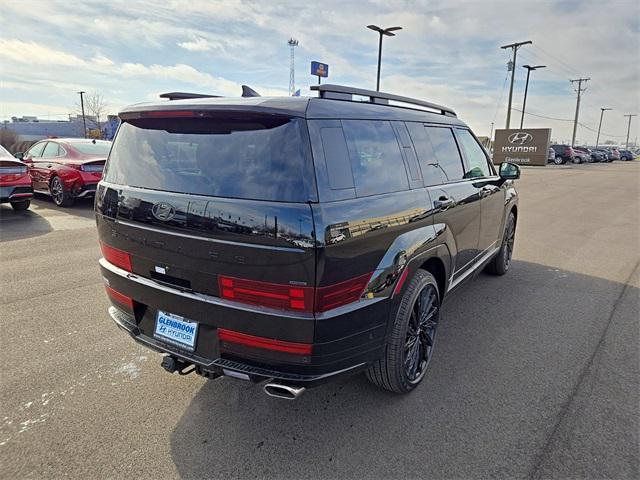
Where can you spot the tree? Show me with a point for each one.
(96, 107)
(8, 138)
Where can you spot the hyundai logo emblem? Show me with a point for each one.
(163, 211)
(520, 138)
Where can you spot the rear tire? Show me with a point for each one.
(21, 206)
(409, 348)
(500, 264)
(60, 196)
(577, 160)
(558, 160)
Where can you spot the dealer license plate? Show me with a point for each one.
(175, 329)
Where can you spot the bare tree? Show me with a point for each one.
(95, 106)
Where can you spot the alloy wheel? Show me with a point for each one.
(421, 333)
(56, 191)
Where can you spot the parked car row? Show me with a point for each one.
(63, 168)
(560, 154)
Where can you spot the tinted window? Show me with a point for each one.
(51, 150)
(431, 171)
(90, 148)
(36, 150)
(446, 152)
(477, 165)
(376, 161)
(253, 157)
(336, 157)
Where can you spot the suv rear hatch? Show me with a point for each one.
(214, 205)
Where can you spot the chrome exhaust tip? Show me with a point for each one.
(280, 390)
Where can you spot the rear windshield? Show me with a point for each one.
(90, 148)
(252, 157)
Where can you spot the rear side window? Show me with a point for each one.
(252, 157)
(477, 164)
(51, 150)
(431, 171)
(376, 160)
(446, 152)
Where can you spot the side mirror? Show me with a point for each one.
(19, 155)
(509, 171)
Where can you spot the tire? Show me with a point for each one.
(558, 160)
(577, 160)
(60, 196)
(21, 206)
(500, 264)
(409, 350)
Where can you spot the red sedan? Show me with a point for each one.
(15, 183)
(66, 168)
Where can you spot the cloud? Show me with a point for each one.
(197, 45)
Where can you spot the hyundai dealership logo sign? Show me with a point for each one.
(526, 147)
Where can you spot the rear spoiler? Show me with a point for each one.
(247, 91)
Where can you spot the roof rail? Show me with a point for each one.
(341, 92)
(185, 95)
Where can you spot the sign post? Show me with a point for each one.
(529, 146)
(320, 70)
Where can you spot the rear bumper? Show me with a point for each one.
(359, 342)
(15, 193)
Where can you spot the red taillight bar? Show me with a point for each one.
(119, 297)
(170, 113)
(263, 342)
(288, 297)
(118, 257)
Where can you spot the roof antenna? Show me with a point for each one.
(247, 91)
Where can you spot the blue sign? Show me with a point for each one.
(319, 69)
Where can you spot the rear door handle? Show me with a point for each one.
(443, 203)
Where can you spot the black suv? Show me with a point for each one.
(296, 239)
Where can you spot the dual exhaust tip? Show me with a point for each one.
(281, 390)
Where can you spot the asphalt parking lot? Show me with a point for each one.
(536, 374)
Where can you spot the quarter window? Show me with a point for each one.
(376, 160)
(477, 164)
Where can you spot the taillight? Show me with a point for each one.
(341, 293)
(273, 295)
(262, 342)
(118, 257)
(119, 297)
(288, 297)
(10, 174)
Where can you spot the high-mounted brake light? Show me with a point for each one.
(272, 295)
(170, 113)
(119, 297)
(118, 257)
(263, 342)
(288, 297)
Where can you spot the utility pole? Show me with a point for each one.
(514, 47)
(84, 121)
(526, 88)
(382, 31)
(575, 121)
(602, 110)
(629, 127)
(293, 43)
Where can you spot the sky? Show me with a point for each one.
(448, 52)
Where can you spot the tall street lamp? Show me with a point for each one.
(602, 110)
(382, 31)
(526, 87)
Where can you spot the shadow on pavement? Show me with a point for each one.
(511, 351)
(16, 225)
(82, 207)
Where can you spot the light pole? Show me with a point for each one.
(526, 87)
(84, 121)
(602, 110)
(514, 47)
(629, 127)
(382, 31)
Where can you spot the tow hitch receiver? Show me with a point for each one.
(172, 364)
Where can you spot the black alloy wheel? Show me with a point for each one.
(500, 264)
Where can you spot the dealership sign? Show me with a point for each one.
(528, 146)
